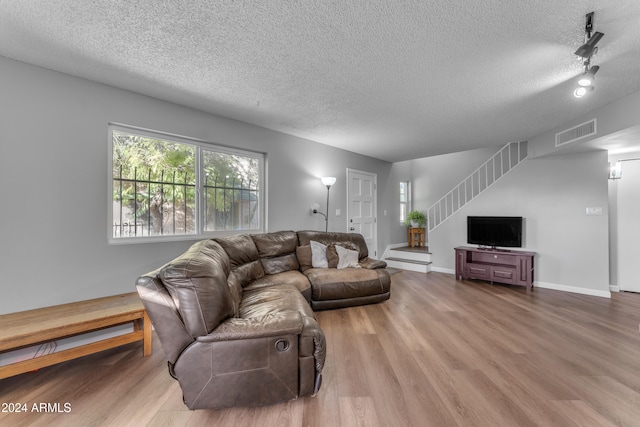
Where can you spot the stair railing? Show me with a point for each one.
(477, 182)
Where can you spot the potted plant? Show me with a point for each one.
(416, 219)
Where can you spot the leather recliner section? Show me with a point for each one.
(235, 315)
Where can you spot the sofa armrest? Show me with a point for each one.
(372, 264)
(270, 325)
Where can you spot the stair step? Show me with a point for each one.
(415, 249)
(409, 255)
(410, 261)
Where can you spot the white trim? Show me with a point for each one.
(200, 146)
(375, 205)
(572, 289)
(392, 246)
(614, 288)
(443, 270)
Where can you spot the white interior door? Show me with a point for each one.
(628, 235)
(361, 207)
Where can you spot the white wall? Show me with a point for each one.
(53, 158)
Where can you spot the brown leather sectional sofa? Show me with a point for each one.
(235, 315)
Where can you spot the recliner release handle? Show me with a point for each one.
(282, 345)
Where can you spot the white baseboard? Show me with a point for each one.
(573, 289)
(614, 288)
(443, 270)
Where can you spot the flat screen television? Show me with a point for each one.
(494, 231)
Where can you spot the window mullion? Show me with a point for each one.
(199, 191)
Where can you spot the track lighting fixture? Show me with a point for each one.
(589, 48)
(587, 78)
(582, 91)
(585, 52)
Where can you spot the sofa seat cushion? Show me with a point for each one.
(372, 264)
(294, 277)
(261, 302)
(334, 284)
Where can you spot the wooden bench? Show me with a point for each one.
(41, 325)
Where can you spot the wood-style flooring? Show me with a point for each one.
(441, 352)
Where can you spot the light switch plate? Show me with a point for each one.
(595, 210)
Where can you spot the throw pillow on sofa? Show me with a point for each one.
(347, 258)
(318, 255)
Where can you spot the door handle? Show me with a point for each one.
(351, 228)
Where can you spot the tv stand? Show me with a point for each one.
(492, 248)
(495, 265)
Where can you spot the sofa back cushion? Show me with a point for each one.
(197, 283)
(353, 241)
(244, 262)
(277, 251)
(243, 257)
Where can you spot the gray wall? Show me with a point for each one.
(431, 178)
(611, 118)
(53, 158)
(558, 185)
(552, 194)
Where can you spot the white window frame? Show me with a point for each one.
(407, 203)
(200, 220)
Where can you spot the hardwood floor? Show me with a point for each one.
(439, 353)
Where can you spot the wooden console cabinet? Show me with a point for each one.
(501, 266)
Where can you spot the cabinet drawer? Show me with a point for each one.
(493, 258)
(503, 274)
(478, 271)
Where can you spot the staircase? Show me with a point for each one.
(481, 179)
(408, 258)
(419, 258)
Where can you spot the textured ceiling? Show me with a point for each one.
(390, 79)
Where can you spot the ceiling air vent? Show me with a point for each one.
(575, 133)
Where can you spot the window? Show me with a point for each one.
(165, 187)
(405, 200)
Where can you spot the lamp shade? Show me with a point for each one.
(328, 180)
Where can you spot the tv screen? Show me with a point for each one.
(505, 231)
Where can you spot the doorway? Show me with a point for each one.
(627, 219)
(362, 207)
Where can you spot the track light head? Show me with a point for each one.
(582, 91)
(588, 77)
(587, 49)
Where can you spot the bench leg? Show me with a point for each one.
(145, 325)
